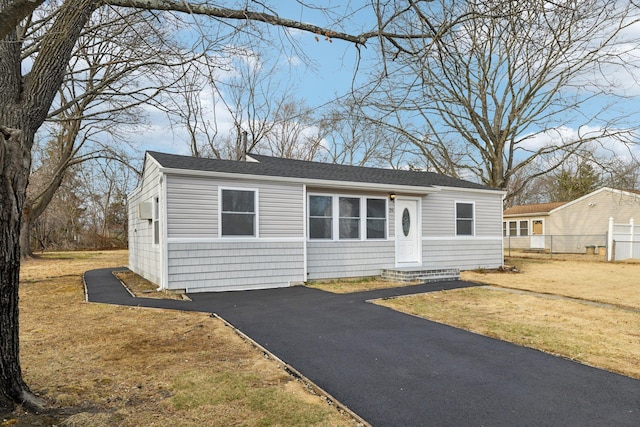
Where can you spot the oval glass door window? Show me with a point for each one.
(406, 222)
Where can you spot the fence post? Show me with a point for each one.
(610, 240)
(631, 236)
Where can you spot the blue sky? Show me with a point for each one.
(328, 72)
(324, 71)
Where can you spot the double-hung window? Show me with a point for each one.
(376, 218)
(320, 217)
(513, 228)
(238, 212)
(524, 228)
(349, 224)
(464, 219)
(156, 220)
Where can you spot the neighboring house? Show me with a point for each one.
(569, 226)
(215, 225)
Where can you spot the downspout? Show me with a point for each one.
(164, 258)
(305, 273)
(504, 195)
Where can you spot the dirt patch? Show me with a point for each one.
(356, 284)
(142, 288)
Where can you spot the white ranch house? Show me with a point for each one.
(572, 226)
(201, 225)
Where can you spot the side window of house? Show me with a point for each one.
(156, 220)
(513, 228)
(376, 219)
(504, 228)
(349, 224)
(238, 213)
(320, 217)
(464, 219)
(524, 228)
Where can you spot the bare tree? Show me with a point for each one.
(293, 134)
(25, 102)
(99, 99)
(501, 82)
(350, 137)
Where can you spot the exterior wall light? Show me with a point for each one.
(392, 196)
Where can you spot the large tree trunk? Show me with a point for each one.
(25, 231)
(24, 103)
(14, 171)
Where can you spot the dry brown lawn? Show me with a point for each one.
(358, 284)
(607, 337)
(579, 276)
(103, 365)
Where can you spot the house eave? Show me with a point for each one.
(324, 183)
(522, 215)
(471, 190)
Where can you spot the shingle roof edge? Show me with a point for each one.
(301, 169)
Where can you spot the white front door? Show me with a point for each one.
(537, 234)
(407, 232)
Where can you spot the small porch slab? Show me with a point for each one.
(420, 274)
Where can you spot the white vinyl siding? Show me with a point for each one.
(192, 207)
(468, 254)
(224, 265)
(348, 258)
(438, 213)
(144, 255)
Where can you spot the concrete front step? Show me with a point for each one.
(424, 275)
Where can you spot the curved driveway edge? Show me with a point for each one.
(399, 370)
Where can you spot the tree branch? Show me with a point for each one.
(245, 15)
(11, 16)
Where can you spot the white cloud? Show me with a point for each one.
(609, 143)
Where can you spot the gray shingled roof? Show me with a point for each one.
(273, 166)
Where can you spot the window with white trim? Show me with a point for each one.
(349, 218)
(464, 219)
(513, 228)
(524, 228)
(320, 217)
(238, 212)
(156, 220)
(376, 218)
(338, 217)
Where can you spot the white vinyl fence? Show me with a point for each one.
(624, 241)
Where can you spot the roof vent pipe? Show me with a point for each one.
(244, 146)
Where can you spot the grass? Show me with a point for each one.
(578, 277)
(103, 365)
(141, 287)
(358, 284)
(607, 337)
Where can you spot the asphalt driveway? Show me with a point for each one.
(398, 370)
